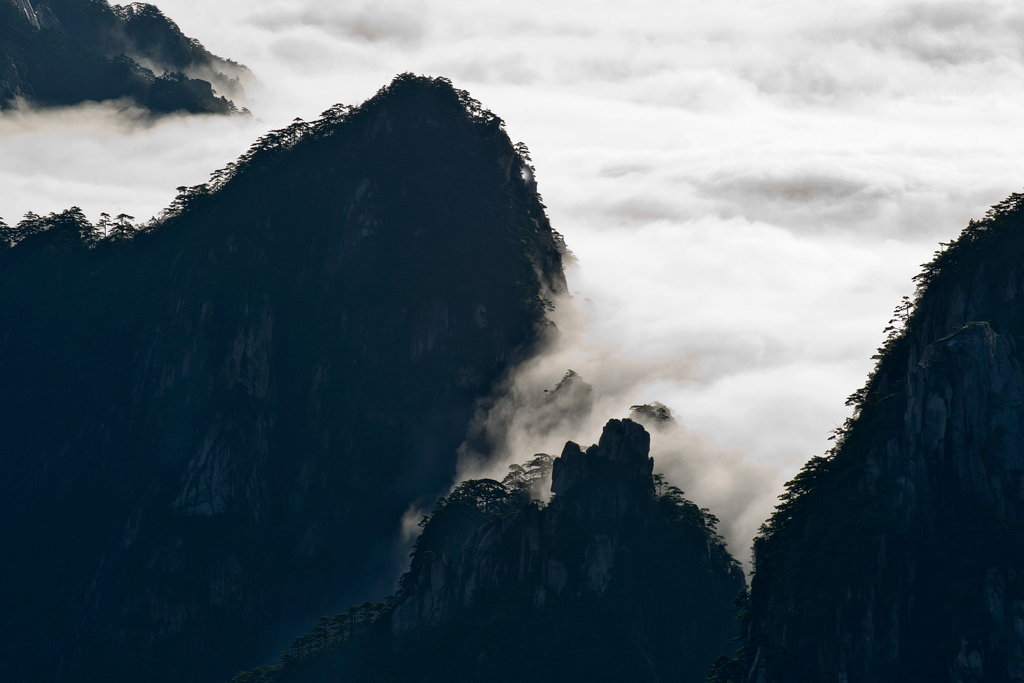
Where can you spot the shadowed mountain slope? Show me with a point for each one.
(900, 555)
(618, 578)
(63, 52)
(211, 431)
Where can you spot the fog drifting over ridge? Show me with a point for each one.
(749, 188)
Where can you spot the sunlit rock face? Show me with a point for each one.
(211, 431)
(900, 558)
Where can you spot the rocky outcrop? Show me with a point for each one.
(599, 493)
(213, 430)
(618, 458)
(600, 545)
(897, 558)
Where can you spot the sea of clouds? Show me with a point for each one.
(749, 187)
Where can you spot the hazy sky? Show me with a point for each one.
(749, 186)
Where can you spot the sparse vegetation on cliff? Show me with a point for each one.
(894, 556)
(260, 382)
(611, 581)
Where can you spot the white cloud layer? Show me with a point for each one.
(749, 187)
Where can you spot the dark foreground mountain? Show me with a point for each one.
(618, 578)
(212, 430)
(900, 555)
(63, 52)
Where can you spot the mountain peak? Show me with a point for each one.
(620, 458)
(264, 381)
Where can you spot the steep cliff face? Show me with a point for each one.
(39, 17)
(212, 431)
(599, 494)
(61, 52)
(612, 581)
(898, 557)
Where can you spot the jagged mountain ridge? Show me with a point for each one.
(615, 579)
(63, 52)
(212, 430)
(898, 557)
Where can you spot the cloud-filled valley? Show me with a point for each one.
(748, 188)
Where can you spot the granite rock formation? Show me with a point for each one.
(899, 556)
(613, 580)
(599, 493)
(212, 430)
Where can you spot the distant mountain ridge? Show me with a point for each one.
(212, 430)
(63, 52)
